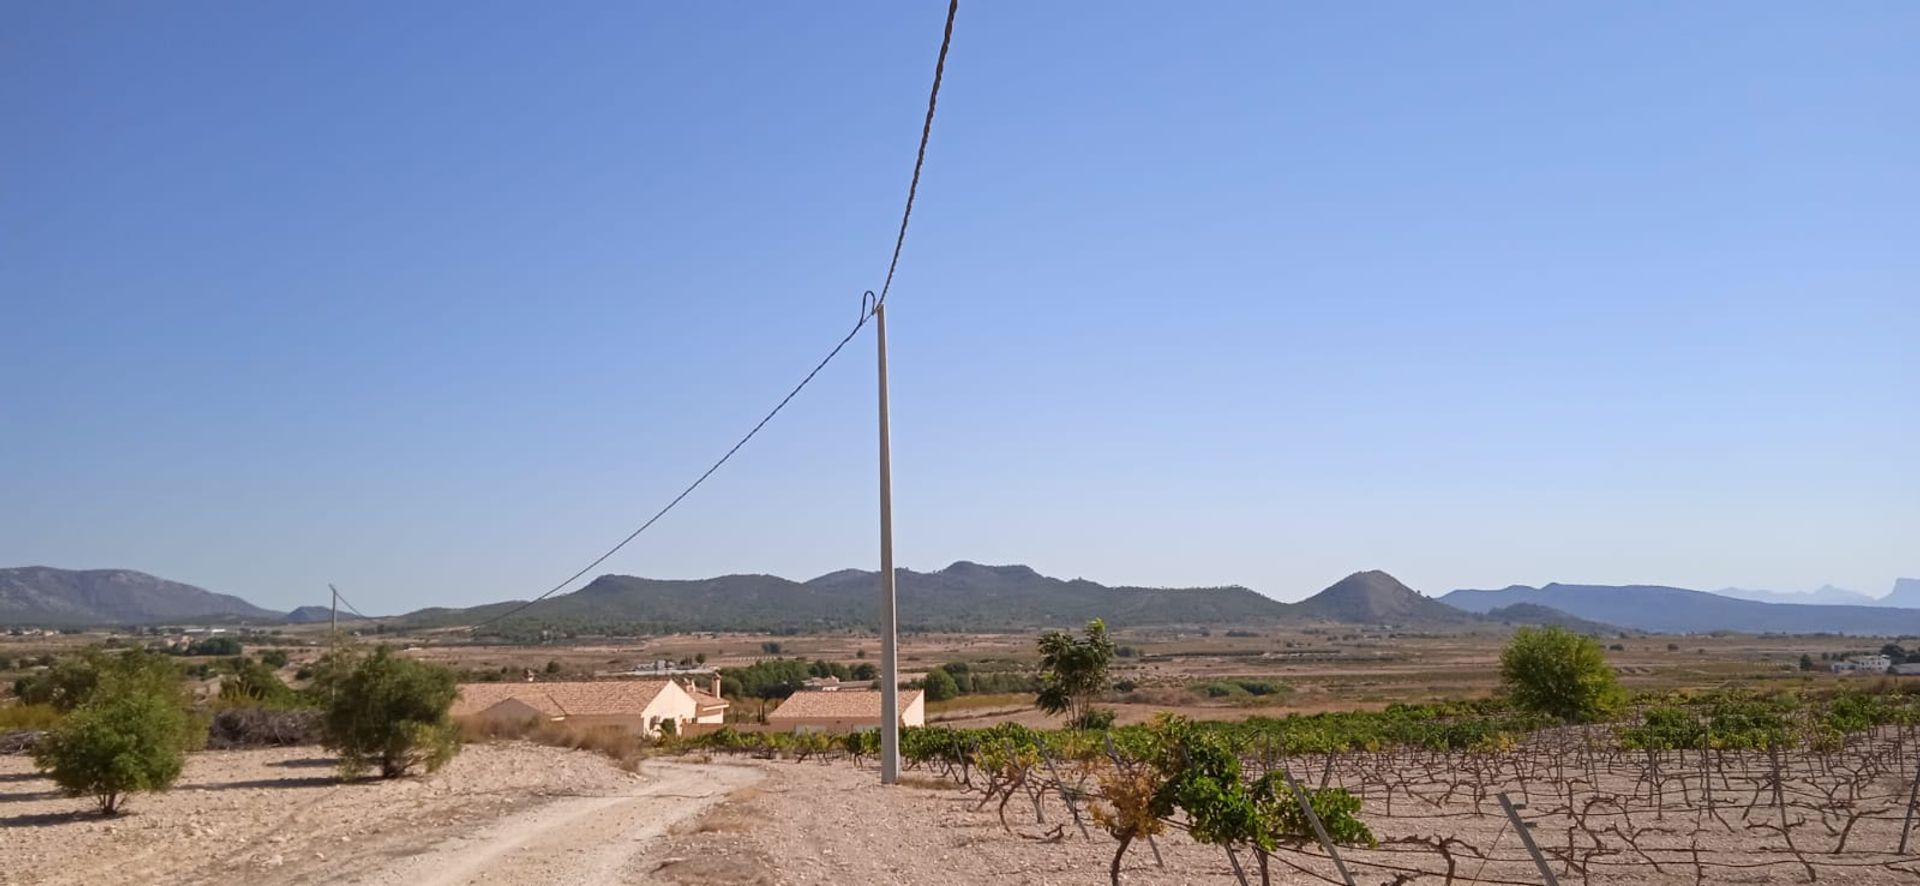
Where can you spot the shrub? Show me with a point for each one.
(274, 658)
(940, 685)
(215, 646)
(390, 712)
(1561, 674)
(131, 734)
(1094, 718)
(252, 682)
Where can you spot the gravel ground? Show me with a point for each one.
(279, 817)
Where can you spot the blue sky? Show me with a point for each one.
(437, 301)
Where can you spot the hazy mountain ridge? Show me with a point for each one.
(1681, 610)
(1823, 594)
(44, 595)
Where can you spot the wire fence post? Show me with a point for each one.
(1520, 826)
(1319, 830)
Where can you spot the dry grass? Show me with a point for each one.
(622, 746)
(28, 717)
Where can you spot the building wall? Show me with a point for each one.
(673, 703)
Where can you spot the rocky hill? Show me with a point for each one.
(43, 595)
(1536, 614)
(1374, 597)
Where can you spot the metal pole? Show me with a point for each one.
(889, 653)
(333, 629)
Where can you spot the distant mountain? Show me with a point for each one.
(1823, 594)
(1679, 610)
(1906, 592)
(1374, 597)
(42, 595)
(306, 615)
(963, 596)
(1536, 614)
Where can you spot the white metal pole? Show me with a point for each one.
(889, 653)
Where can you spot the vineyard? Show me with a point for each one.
(1723, 788)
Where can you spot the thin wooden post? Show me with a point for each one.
(1526, 839)
(1319, 830)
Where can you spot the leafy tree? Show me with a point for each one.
(940, 685)
(130, 734)
(770, 647)
(69, 682)
(391, 712)
(1559, 673)
(274, 658)
(699, 658)
(1806, 662)
(865, 671)
(553, 667)
(1073, 671)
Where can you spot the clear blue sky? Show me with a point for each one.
(436, 301)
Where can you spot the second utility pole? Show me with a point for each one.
(889, 652)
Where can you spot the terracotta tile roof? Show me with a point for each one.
(840, 704)
(707, 703)
(562, 699)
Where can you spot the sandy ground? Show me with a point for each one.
(508, 813)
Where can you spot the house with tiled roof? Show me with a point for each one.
(844, 710)
(641, 706)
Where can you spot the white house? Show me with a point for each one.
(1865, 664)
(642, 706)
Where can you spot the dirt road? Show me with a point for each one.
(506, 813)
(582, 842)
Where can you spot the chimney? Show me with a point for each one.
(716, 683)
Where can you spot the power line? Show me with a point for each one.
(920, 157)
(868, 303)
(350, 607)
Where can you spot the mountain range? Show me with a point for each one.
(1679, 610)
(43, 595)
(972, 596)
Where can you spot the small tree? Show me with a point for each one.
(391, 712)
(130, 734)
(940, 685)
(274, 658)
(1559, 673)
(1806, 662)
(1073, 671)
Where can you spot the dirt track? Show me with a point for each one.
(498, 814)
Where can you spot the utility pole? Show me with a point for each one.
(889, 651)
(333, 631)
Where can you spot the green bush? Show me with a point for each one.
(131, 734)
(940, 685)
(1561, 674)
(390, 712)
(274, 658)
